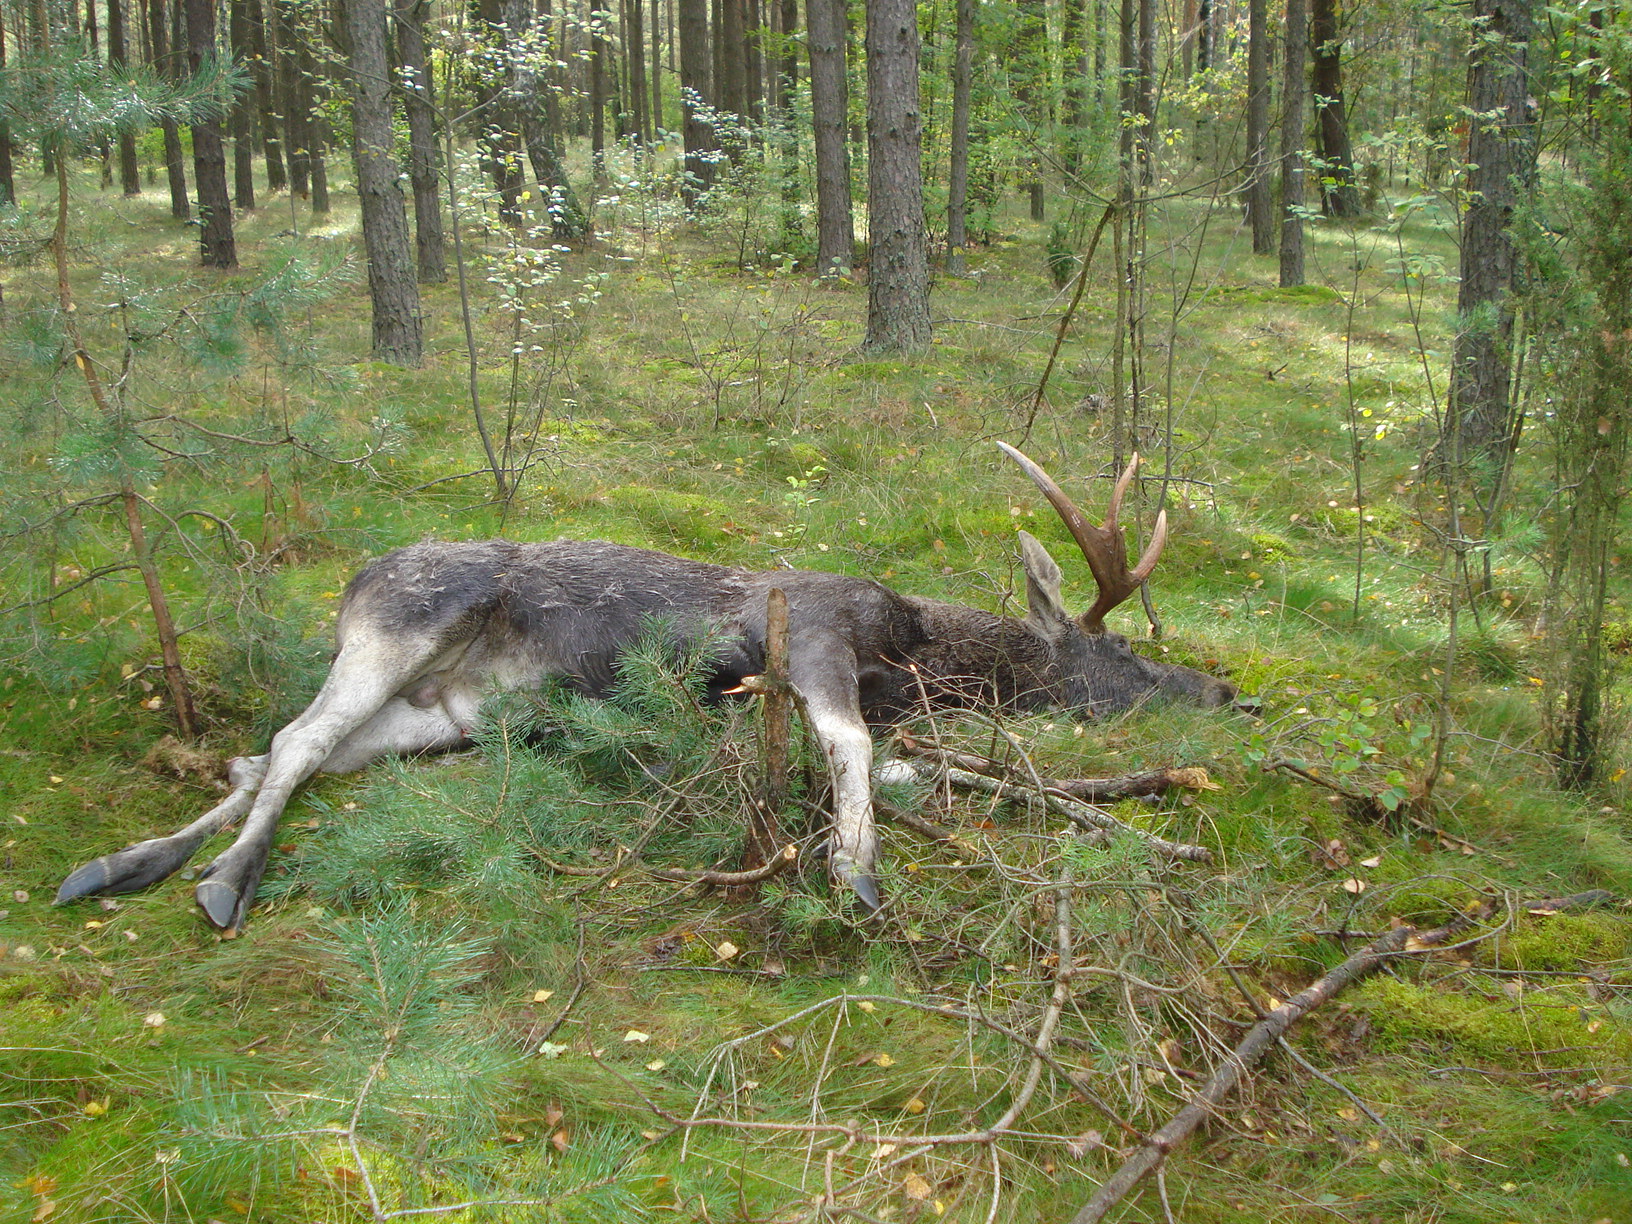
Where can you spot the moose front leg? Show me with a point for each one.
(822, 669)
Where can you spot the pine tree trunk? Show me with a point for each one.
(1339, 195)
(130, 175)
(657, 66)
(898, 259)
(317, 127)
(262, 50)
(8, 170)
(393, 290)
(1260, 198)
(215, 239)
(696, 60)
(243, 110)
(1501, 153)
(829, 108)
(634, 58)
(161, 27)
(597, 105)
(415, 84)
(293, 99)
(731, 86)
(957, 185)
(1292, 113)
(1074, 36)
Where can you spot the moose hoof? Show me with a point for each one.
(860, 882)
(222, 904)
(866, 890)
(126, 870)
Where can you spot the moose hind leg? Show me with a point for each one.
(148, 862)
(348, 726)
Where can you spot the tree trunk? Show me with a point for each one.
(243, 110)
(160, 28)
(498, 144)
(1501, 153)
(293, 99)
(393, 291)
(317, 127)
(657, 67)
(597, 102)
(1074, 36)
(1028, 68)
(1292, 90)
(415, 84)
(262, 50)
(898, 260)
(8, 170)
(1258, 194)
(731, 86)
(531, 114)
(130, 174)
(215, 240)
(634, 58)
(1144, 91)
(829, 108)
(1339, 195)
(696, 61)
(957, 184)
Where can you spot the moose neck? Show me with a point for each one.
(972, 658)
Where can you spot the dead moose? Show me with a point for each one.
(426, 632)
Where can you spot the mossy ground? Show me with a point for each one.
(720, 411)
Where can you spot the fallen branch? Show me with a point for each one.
(1269, 1031)
(779, 863)
(1081, 814)
(1088, 790)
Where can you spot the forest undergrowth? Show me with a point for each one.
(491, 986)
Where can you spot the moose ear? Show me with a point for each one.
(1045, 612)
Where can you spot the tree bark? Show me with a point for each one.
(8, 170)
(243, 110)
(414, 83)
(1259, 197)
(567, 220)
(160, 27)
(1293, 87)
(1074, 36)
(957, 179)
(696, 60)
(829, 107)
(262, 49)
(317, 127)
(393, 291)
(898, 260)
(292, 97)
(1501, 153)
(130, 174)
(1292, 90)
(657, 67)
(215, 239)
(634, 58)
(1339, 195)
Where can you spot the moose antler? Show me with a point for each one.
(1105, 548)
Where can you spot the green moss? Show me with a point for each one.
(1562, 943)
(1498, 1031)
(676, 519)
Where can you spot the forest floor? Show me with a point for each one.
(462, 995)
